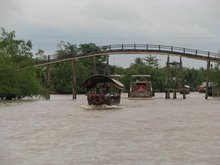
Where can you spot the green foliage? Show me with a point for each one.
(11, 47)
(138, 61)
(151, 61)
(66, 50)
(157, 75)
(40, 53)
(215, 75)
(61, 75)
(88, 48)
(17, 74)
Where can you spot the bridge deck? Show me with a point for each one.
(139, 49)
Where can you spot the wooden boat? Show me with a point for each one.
(102, 89)
(140, 87)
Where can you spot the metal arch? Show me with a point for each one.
(142, 49)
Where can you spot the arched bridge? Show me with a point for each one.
(139, 49)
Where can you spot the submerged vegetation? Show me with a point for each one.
(19, 78)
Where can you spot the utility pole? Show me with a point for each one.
(207, 80)
(48, 79)
(73, 79)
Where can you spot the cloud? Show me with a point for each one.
(177, 22)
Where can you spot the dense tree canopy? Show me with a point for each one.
(16, 68)
(62, 73)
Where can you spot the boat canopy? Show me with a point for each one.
(92, 81)
(140, 75)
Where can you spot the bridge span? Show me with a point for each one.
(130, 49)
(138, 49)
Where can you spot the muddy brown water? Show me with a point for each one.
(61, 131)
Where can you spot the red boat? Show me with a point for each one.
(102, 89)
(140, 86)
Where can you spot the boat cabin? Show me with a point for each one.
(102, 89)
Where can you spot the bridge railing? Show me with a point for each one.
(143, 47)
(216, 55)
(148, 47)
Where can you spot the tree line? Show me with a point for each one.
(19, 78)
(61, 73)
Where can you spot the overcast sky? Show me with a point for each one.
(186, 23)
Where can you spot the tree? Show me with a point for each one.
(138, 61)
(66, 50)
(62, 73)
(151, 61)
(40, 53)
(18, 78)
(12, 47)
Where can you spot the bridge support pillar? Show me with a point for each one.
(174, 94)
(207, 80)
(94, 66)
(107, 66)
(174, 81)
(182, 84)
(48, 80)
(167, 94)
(184, 94)
(73, 79)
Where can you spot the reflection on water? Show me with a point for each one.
(66, 131)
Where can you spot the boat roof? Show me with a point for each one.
(93, 80)
(115, 75)
(141, 75)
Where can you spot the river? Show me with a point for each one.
(62, 131)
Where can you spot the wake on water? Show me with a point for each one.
(100, 107)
